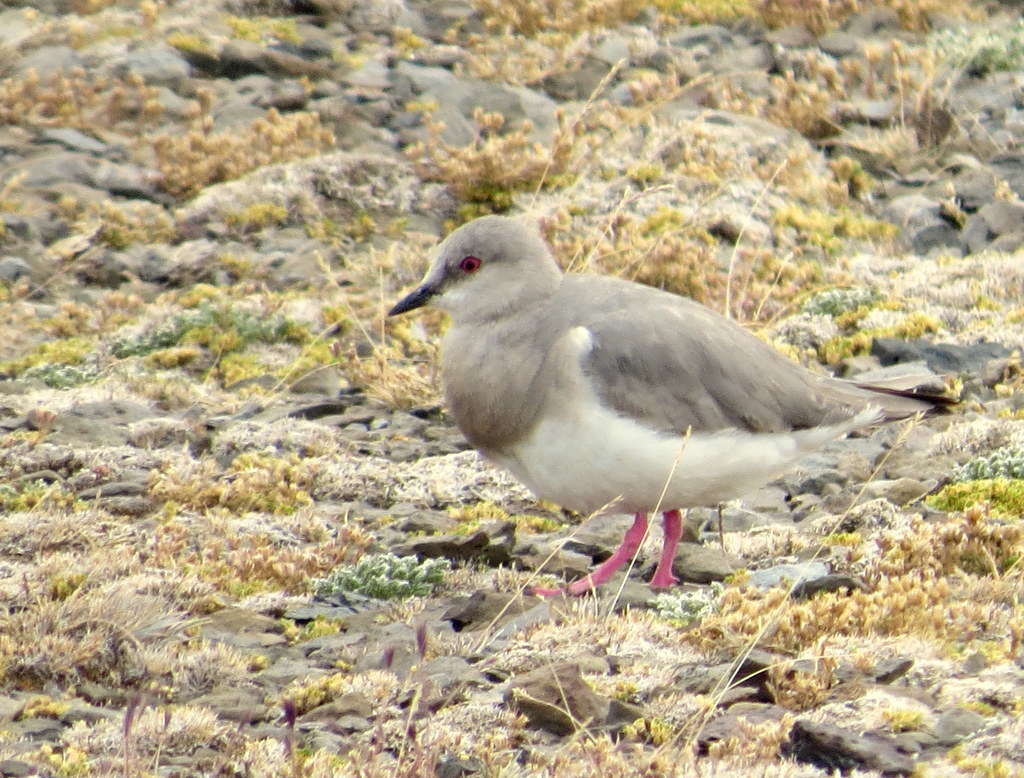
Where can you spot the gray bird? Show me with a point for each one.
(600, 393)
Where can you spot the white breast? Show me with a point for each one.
(603, 460)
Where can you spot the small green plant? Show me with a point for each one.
(221, 328)
(833, 302)
(683, 608)
(1004, 497)
(386, 577)
(63, 376)
(981, 51)
(903, 719)
(1002, 463)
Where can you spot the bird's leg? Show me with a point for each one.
(627, 549)
(624, 553)
(672, 524)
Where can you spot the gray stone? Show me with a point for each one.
(48, 60)
(555, 698)
(956, 725)
(13, 268)
(239, 705)
(695, 563)
(840, 44)
(157, 65)
(899, 491)
(940, 357)
(492, 543)
(1003, 216)
(74, 140)
(787, 574)
(835, 748)
(728, 726)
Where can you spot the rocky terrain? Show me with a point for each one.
(239, 536)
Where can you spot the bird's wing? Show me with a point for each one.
(677, 365)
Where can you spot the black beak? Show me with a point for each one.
(417, 298)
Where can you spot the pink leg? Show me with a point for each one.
(627, 549)
(672, 523)
(624, 553)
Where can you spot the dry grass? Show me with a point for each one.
(201, 156)
(78, 99)
(532, 17)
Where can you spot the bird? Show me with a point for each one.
(603, 394)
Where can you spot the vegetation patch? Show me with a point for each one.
(919, 584)
(201, 156)
(77, 98)
(386, 577)
(215, 330)
(241, 565)
(1001, 496)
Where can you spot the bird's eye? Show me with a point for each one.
(470, 264)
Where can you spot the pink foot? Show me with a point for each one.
(672, 524)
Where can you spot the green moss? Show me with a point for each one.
(220, 328)
(828, 230)
(480, 511)
(645, 174)
(707, 10)
(190, 43)
(51, 354)
(27, 496)
(1004, 497)
(263, 29)
(914, 326)
(257, 216)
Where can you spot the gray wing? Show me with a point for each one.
(678, 365)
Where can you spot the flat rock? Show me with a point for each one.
(728, 725)
(940, 357)
(836, 748)
(696, 563)
(557, 699)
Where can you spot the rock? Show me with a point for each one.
(695, 563)
(955, 725)
(728, 726)
(488, 610)
(941, 357)
(242, 628)
(13, 768)
(492, 543)
(13, 268)
(555, 698)
(892, 669)
(103, 423)
(238, 705)
(789, 575)
(835, 748)
(833, 582)
(158, 65)
(47, 60)
(74, 140)
(900, 491)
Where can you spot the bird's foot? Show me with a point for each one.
(663, 579)
(578, 588)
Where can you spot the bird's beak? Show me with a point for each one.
(417, 298)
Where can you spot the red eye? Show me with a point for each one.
(470, 264)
